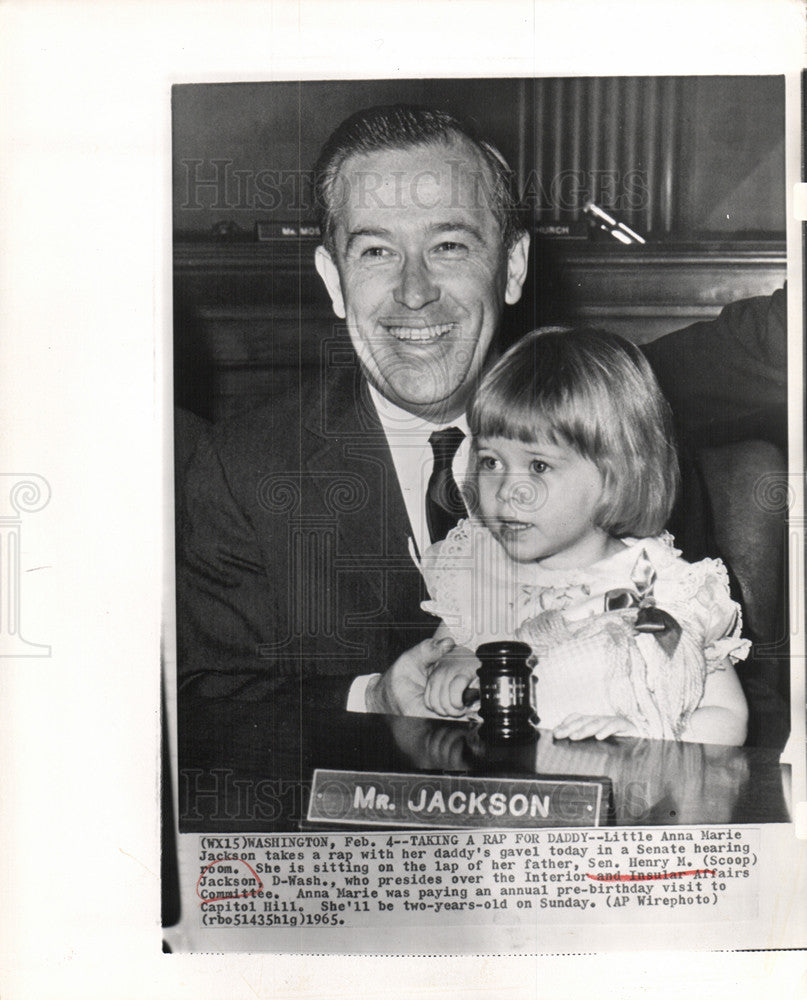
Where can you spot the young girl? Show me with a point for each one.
(573, 475)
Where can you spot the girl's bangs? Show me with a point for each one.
(527, 416)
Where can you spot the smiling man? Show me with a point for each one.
(302, 515)
(420, 267)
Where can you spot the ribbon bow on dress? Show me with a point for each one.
(650, 618)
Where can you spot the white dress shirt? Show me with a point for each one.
(408, 440)
(412, 456)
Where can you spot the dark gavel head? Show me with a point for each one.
(505, 688)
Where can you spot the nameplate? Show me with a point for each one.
(265, 231)
(370, 798)
(563, 230)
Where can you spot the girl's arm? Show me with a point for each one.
(722, 715)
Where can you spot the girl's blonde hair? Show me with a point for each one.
(595, 392)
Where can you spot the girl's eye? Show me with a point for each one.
(538, 467)
(487, 462)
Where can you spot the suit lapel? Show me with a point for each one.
(351, 469)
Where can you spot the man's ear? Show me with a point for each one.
(327, 270)
(517, 260)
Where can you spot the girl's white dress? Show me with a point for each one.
(588, 657)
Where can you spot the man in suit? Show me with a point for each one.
(303, 517)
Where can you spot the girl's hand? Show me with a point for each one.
(581, 727)
(399, 690)
(447, 682)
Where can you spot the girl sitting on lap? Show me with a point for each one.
(573, 476)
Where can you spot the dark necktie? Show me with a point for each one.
(444, 506)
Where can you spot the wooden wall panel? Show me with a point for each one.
(255, 313)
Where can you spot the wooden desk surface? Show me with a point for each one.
(246, 766)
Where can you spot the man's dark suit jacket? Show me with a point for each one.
(293, 559)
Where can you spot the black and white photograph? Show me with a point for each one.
(481, 497)
(402, 499)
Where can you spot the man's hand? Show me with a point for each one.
(399, 691)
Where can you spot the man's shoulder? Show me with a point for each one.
(309, 415)
(277, 422)
(250, 429)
